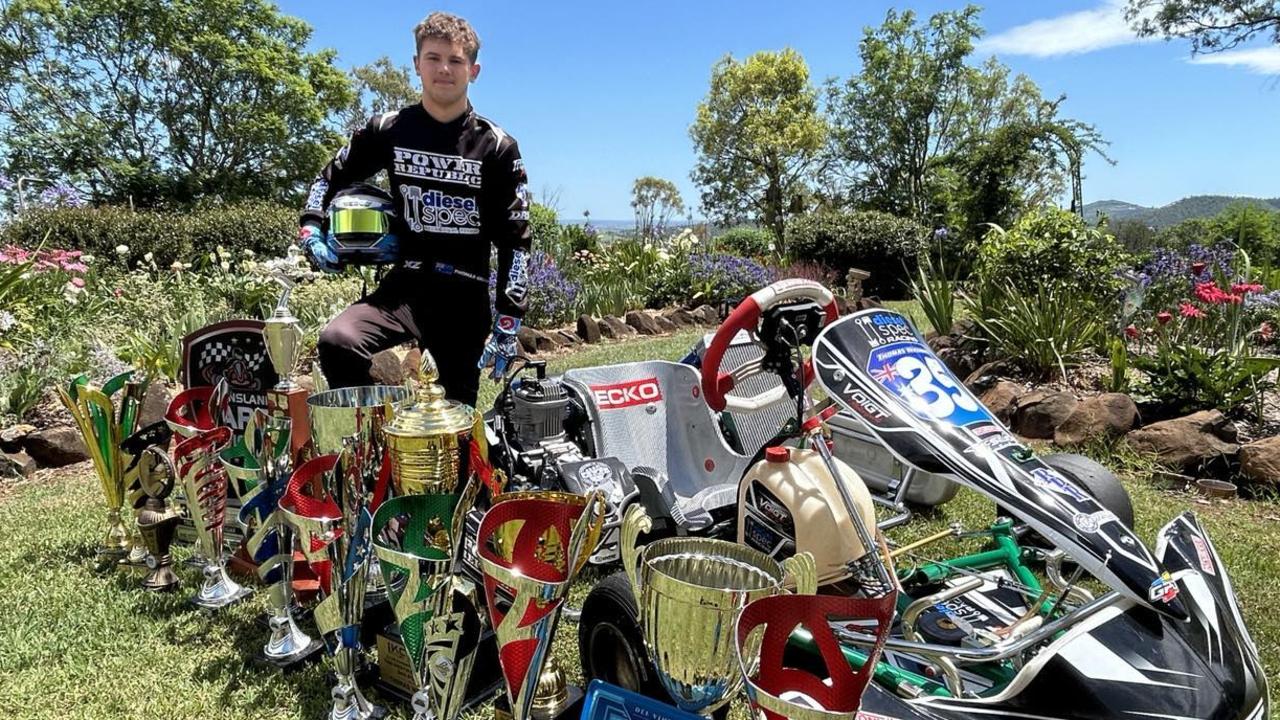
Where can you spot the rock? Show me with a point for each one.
(680, 317)
(1038, 414)
(568, 337)
(588, 329)
(155, 403)
(986, 375)
(410, 362)
(1188, 442)
(961, 361)
(614, 329)
(1260, 460)
(1002, 399)
(643, 322)
(533, 340)
(665, 324)
(547, 341)
(1101, 417)
(55, 447)
(707, 315)
(939, 342)
(11, 437)
(388, 367)
(16, 465)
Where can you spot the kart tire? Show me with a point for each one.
(611, 641)
(1095, 479)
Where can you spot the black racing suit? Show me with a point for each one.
(459, 187)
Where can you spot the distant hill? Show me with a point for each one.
(1175, 212)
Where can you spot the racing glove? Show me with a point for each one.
(318, 251)
(502, 346)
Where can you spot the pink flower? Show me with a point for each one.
(77, 281)
(118, 292)
(1131, 332)
(1187, 310)
(1266, 331)
(1163, 317)
(1246, 288)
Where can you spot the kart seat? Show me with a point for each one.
(651, 416)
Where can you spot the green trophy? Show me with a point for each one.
(103, 427)
(415, 538)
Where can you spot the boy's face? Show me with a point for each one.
(445, 71)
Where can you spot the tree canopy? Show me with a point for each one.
(655, 201)
(759, 139)
(165, 101)
(381, 86)
(1210, 25)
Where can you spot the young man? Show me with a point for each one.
(459, 186)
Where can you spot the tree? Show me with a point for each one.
(920, 133)
(381, 86)
(1210, 25)
(655, 201)
(164, 101)
(758, 138)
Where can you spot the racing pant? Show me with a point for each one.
(447, 315)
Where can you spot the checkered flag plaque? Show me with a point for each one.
(218, 352)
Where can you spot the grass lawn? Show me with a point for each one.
(77, 644)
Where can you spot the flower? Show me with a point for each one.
(1131, 332)
(87, 259)
(149, 257)
(1247, 288)
(77, 281)
(7, 321)
(1163, 317)
(1266, 331)
(1187, 310)
(122, 250)
(1198, 267)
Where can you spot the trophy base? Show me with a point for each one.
(221, 601)
(395, 677)
(297, 661)
(570, 708)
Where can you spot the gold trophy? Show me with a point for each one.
(682, 583)
(531, 547)
(417, 538)
(282, 335)
(204, 481)
(149, 478)
(103, 426)
(427, 440)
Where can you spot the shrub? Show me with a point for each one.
(1052, 244)
(746, 241)
(719, 278)
(884, 245)
(553, 298)
(1043, 330)
(265, 228)
(580, 237)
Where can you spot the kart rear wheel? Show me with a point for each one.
(611, 642)
(1092, 477)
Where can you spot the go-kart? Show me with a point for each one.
(746, 454)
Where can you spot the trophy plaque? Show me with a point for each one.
(204, 481)
(149, 478)
(610, 702)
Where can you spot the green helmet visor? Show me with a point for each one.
(358, 221)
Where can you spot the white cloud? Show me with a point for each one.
(1071, 34)
(1263, 60)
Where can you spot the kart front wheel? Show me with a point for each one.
(611, 642)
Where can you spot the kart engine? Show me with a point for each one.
(535, 417)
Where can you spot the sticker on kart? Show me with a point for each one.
(910, 371)
(626, 394)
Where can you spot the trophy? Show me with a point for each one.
(103, 426)
(283, 337)
(327, 504)
(428, 440)
(416, 538)
(779, 691)
(204, 481)
(198, 409)
(531, 546)
(267, 456)
(149, 478)
(682, 583)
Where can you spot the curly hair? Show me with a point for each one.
(448, 27)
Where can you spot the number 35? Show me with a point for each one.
(930, 388)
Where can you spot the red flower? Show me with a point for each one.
(1198, 267)
(1266, 331)
(1131, 332)
(1163, 317)
(1187, 310)
(1246, 288)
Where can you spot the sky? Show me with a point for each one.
(599, 93)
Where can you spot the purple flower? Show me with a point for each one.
(553, 297)
(5, 183)
(726, 278)
(61, 194)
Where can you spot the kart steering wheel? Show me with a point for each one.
(717, 385)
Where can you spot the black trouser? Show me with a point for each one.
(447, 315)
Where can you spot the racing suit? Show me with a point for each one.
(459, 187)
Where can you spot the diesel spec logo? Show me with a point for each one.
(626, 394)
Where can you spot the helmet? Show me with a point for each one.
(360, 226)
